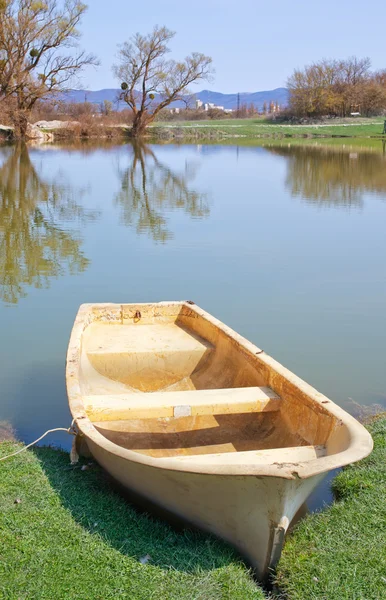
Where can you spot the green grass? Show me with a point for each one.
(73, 537)
(263, 128)
(340, 554)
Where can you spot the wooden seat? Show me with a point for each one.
(145, 357)
(181, 404)
(279, 456)
(142, 339)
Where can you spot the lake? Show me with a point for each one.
(284, 242)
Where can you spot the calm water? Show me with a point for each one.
(285, 244)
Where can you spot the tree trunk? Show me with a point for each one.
(141, 121)
(20, 122)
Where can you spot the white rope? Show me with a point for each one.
(69, 430)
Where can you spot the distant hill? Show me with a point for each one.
(89, 96)
(279, 95)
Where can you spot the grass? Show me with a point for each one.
(263, 128)
(340, 554)
(73, 537)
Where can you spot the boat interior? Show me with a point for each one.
(168, 382)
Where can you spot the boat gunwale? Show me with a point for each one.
(360, 441)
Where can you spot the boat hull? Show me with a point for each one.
(250, 512)
(186, 413)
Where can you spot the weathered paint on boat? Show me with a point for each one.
(188, 414)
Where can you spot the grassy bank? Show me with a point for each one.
(72, 537)
(262, 128)
(340, 554)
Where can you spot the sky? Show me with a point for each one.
(255, 45)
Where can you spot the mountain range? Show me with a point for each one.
(279, 95)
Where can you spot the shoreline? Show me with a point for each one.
(202, 130)
(353, 145)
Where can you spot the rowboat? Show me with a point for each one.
(186, 413)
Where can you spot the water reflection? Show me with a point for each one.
(323, 304)
(332, 177)
(150, 188)
(34, 246)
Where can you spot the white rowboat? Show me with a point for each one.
(188, 414)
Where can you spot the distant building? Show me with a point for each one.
(201, 106)
(211, 105)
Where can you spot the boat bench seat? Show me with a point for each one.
(142, 339)
(145, 357)
(181, 404)
(279, 456)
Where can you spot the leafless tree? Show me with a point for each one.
(149, 81)
(33, 34)
(337, 87)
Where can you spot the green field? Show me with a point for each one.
(262, 128)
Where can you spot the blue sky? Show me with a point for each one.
(254, 44)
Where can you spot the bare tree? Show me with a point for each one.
(336, 87)
(149, 82)
(355, 70)
(189, 101)
(32, 67)
(106, 108)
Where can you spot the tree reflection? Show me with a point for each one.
(149, 189)
(333, 177)
(34, 246)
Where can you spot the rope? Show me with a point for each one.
(71, 430)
